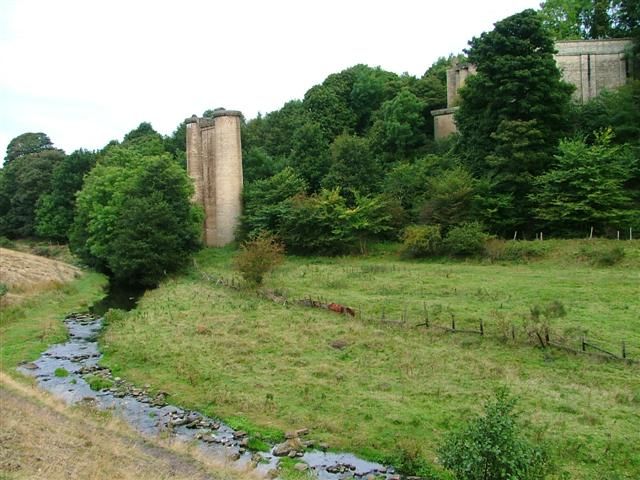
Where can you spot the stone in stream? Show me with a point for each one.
(287, 447)
(30, 366)
(301, 467)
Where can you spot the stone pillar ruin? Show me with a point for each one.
(590, 65)
(443, 121)
(214, 162)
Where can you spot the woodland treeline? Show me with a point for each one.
(355, 159)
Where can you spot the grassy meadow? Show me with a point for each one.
(379, 386)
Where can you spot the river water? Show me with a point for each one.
(65, 369)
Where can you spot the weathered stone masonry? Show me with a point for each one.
(214, 162)
(591, 65)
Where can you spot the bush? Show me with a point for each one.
(410, 460)
(259, 256)
(325, 224)
(465, 240)
(516, 251)
(603, 257)
(491, 447)
(421, 241)
(6, 243)
(43, 251)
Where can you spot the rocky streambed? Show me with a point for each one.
(70, 370)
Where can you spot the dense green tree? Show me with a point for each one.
(27, 143)
(400, 127)
(24, 180)
(618, 109)
(324, 223)
(448, 199)
(176, 143)
(134, 217)
(353, 166)
(329, 110)
(310, 154)
(265, 202)
(586, 188)
(54, 212)
(591, 19)
(274, 132)
(513, 113)
(407, 182)
(258, 164)
(315, 224)
(144, 140)
(368, 219)
(371, 87)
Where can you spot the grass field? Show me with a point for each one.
(379, 388)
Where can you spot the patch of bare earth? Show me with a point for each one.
(42, 438)
(25, 274)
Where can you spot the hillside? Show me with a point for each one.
(25, 274)
(382, 384)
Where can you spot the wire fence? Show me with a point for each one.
(531, 330)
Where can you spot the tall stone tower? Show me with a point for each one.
(214, 162)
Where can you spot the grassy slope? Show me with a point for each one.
(82, 442)
(28, 328)
(235, 355)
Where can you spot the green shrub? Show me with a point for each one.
(465, 240)
(61, 372)
(516, 251)
(98, 383)
(410, 460)
(6, 243)
(43, 251)
(3, 289)
(603, 257)
(259, 256)
(491, 447)
(421, 241)
(520, 250)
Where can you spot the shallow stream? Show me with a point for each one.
(66, 370)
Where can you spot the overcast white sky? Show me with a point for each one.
(87, 71)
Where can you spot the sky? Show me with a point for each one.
(86, 72)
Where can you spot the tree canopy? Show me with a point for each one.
(134, 219)
(513, 113)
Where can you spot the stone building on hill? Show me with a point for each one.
(590, 65)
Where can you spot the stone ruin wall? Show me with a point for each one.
(214, 162)
(590, 65)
